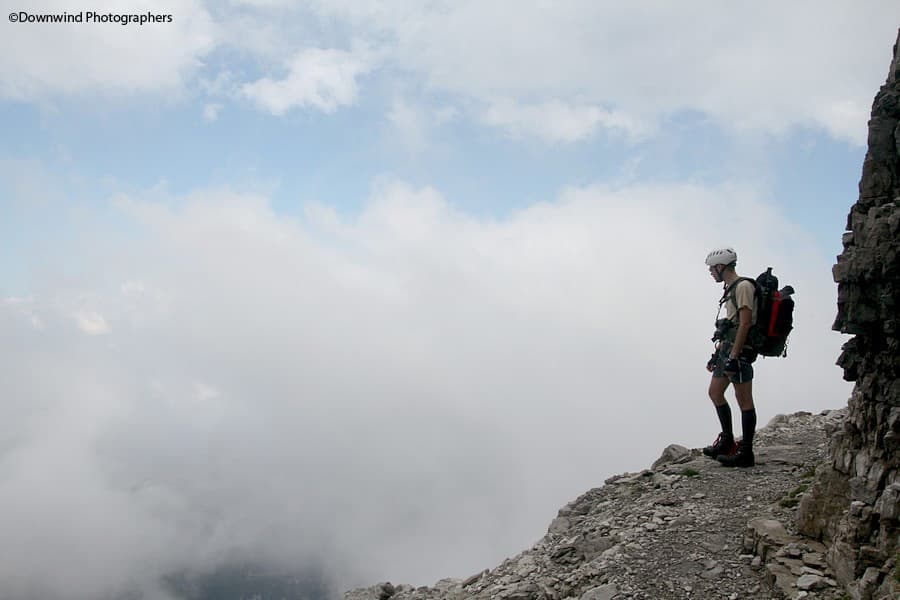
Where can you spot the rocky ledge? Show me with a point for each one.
(684, 528)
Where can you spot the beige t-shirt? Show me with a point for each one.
(743, 296)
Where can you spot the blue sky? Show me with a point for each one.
(449, 248)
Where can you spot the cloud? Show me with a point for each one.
(24, 307)
(581, 69)
(761, 67)
(324, 79)
(410, 123)
(211, 112)
(91, 323)
(413, 123)
(86, 58)
(406, 393)
(263, 3)
(842, 118)
(557, 121)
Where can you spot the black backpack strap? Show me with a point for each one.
(731, 291)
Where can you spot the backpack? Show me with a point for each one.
(774, 313)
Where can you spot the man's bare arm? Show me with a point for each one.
(740, 338)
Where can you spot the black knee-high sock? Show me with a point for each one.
(724, 412)
(748, 425)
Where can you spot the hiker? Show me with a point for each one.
(732, 362)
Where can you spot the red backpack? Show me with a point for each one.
(774, 316)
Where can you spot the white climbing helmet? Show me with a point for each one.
(722, 256)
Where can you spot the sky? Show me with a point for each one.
(381, 285)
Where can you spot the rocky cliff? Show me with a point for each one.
(684, 528)
(855, 503)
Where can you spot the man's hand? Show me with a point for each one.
(732, 365)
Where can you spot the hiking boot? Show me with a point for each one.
(742, 458)
(723, 446)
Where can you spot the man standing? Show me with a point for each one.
(732, 362)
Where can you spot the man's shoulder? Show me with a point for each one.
(745, 283)
(744, 292)
(742, 285)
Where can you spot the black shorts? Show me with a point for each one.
(747, 357)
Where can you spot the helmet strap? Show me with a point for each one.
(718, 271)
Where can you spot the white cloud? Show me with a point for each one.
(133, 287)
(843, 119)
(324, 79)
(223, 84)
(205, 393)
(556, 121)
(762, 66)
(327, 349)
(211, 112)
(83, 58)
(263, 3)
(24, 307)
(410, 124)
(91, 323)
(586, 65)
(414, 123)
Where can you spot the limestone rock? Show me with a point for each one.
(855, 501)
(603, 592)
(811, 582)
(673, 454)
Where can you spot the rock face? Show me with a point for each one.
(685, 528)
(853, 505)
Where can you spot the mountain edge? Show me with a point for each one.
(684, 528)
